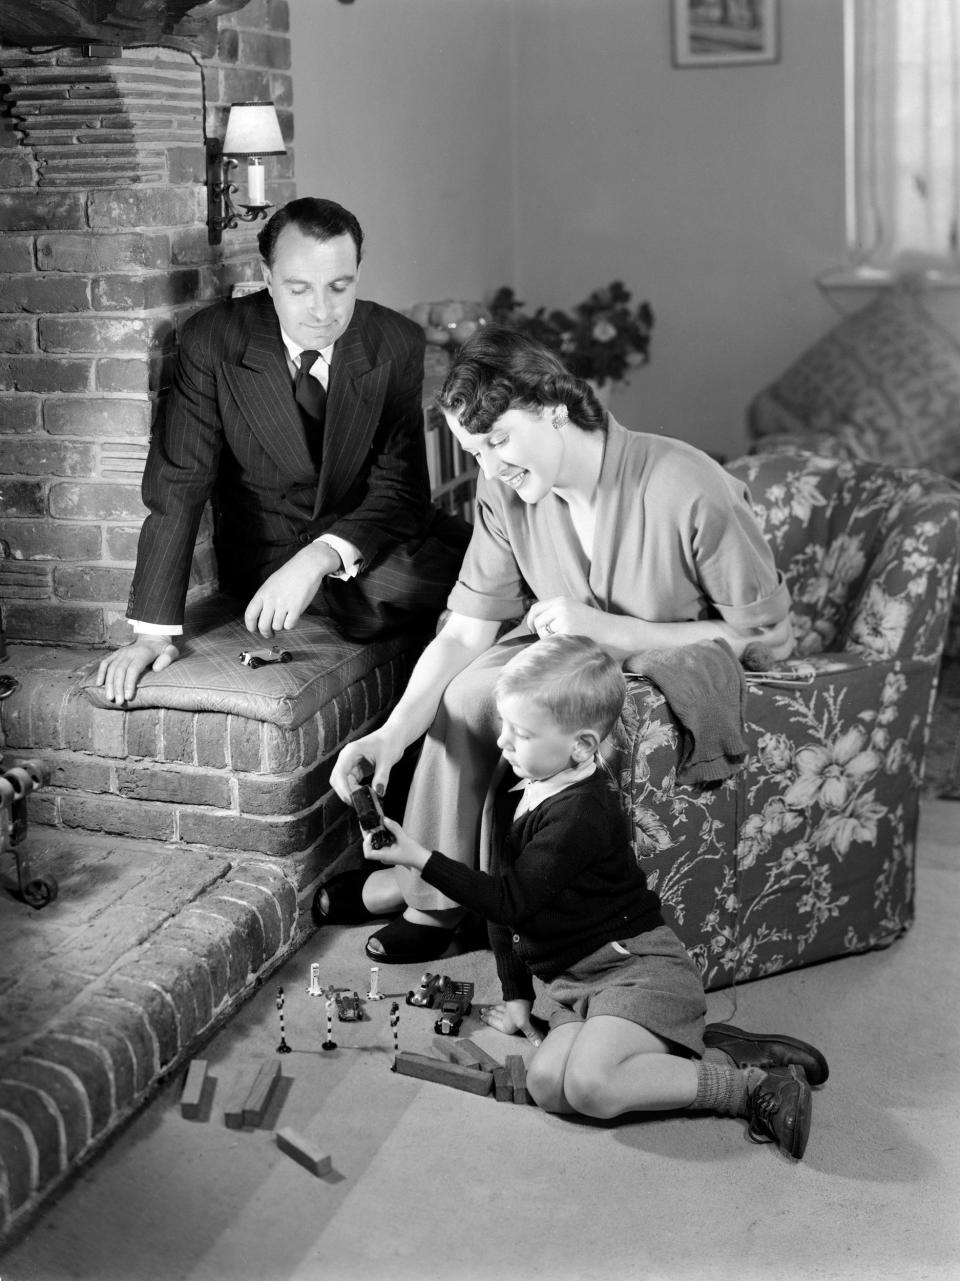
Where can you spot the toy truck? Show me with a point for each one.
(455, 1003)
(349, 1009)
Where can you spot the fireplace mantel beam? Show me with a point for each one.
(175, 23)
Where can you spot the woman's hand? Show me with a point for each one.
(378, 752)
(562, 616)
(404, 852)
(776, 639)
(461, 641)
(510, 1017)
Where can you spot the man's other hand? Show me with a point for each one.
(119, 673)
(288, 591)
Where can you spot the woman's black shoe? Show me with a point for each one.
(403, 941)
(339, 901)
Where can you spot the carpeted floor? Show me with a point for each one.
(433, 1184)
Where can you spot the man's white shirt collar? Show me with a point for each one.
(536, 790)
(294, 351)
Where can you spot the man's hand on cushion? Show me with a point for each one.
(281, 600)
(119, 673)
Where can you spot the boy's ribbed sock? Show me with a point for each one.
(725, 1089)
(712, 1054)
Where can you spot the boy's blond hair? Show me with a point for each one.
(570, 677)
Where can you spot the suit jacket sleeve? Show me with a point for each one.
(178, 478)
(388, 502)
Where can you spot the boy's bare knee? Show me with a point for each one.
(545, 1087)
(587, 1093)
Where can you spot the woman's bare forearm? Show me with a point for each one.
(445, 657)
(627, 638)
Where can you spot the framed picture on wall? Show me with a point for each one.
(715, 33)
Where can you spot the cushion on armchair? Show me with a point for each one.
(886, 379)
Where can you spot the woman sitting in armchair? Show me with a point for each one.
(638, 541)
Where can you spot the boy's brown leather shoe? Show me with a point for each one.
(763, 1050)
(779, 1110)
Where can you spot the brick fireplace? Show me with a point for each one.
(173, 904)
(104, 252)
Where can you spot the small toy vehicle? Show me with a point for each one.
(455, 1004)
(15, 785)
(370, 816)
(428, 991)
(349, 1009)
(261, 657)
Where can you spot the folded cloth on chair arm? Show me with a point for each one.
(705, 688)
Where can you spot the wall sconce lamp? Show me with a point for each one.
(253, 131)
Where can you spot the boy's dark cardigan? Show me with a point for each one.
(564, 882)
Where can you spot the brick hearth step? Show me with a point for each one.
(114, 985)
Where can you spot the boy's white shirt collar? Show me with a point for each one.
(536, 790)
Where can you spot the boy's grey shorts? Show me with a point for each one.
(649, 979)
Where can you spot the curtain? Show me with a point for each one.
(903, 127)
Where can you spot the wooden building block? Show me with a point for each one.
(193, 1089)
(454, 1074)
(454, 1053)
(233, 1110)
(476, 1054)
(518, 1077)
(303, 1151)
(502, 1085)
(258, 1099)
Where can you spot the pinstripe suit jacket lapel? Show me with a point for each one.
(354, 402)
(262, 386)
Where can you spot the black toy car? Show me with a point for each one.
(370, 816)
(261, 657)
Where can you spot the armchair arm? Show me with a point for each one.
(903, 608)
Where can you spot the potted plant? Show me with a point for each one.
(600, 339)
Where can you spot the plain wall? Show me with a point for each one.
(552, 145)
(403, 112)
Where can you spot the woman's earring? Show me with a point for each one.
(560, 416)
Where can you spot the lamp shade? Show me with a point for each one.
(253, 130)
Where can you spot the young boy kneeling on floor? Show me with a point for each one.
(567, 903)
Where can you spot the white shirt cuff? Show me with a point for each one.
(352, 560)
(156, 629)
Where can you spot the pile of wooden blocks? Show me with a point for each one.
(246, 1107)
(465, 1066)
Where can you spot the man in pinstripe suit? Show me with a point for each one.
(298, 412)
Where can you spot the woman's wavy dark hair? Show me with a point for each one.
(499, 369)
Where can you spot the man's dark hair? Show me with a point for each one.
(321, 219)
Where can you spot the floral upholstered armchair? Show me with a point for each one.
(808, 852)
(882, 384)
